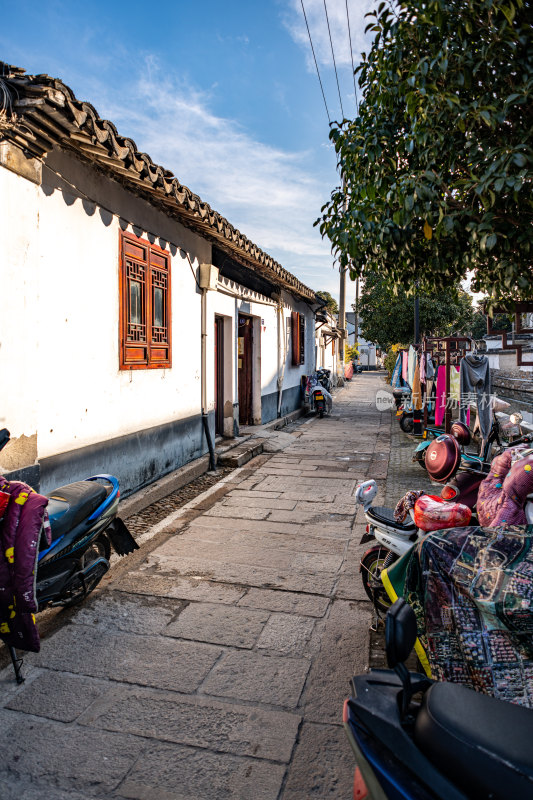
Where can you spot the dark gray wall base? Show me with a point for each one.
(30, 475)
(290, 401)
(136, 459)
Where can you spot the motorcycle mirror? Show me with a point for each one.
(4, 437)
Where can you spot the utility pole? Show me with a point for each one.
(342, 317)
(342, 297)
(356, 310)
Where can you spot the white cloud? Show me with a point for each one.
(316, 17)
(271, 195)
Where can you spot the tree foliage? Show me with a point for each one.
(331, 303)
(438, 166)
(387, 319)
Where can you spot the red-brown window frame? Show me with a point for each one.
(146, 352)
(298, 338)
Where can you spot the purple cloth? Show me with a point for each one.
(502, 495)
(21, 531)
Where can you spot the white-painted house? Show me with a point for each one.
(113, 273)
(328, 342)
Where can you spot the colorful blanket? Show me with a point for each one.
(472, 593)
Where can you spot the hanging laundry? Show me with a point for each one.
(417, 390)
(411, 365)
(455, 391)
(396, 380)
(405, 359)
(440, 399)
(475, 386)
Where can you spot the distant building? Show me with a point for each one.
(327, 342)
(367, 350)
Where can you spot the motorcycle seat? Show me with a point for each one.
(69, 505)
(385, 516)
(481, 744)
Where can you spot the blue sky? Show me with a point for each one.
(223, 94)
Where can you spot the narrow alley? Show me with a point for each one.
(214, 663)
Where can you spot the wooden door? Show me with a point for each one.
(244, 356)
(219, 375)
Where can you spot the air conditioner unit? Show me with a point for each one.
(208, 276)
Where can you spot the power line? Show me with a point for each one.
(316, 62)
(334, 63)
(351, 53)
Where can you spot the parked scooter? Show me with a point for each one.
(393, 539)
(319, 398)
(324, 378)
(85, 526)
(454, 744)
(499, 436)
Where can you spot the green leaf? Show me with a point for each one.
(520, 160)
(509, 13)
(491, 241)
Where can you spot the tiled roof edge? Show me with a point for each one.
(39, 112)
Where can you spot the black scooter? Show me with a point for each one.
(85, 526)
(324, 378)
(452, 744)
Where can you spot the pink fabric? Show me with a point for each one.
(405, 362)
(433, 514)
(440, 397)
(422, 368)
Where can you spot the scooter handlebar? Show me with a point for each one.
(4, 437)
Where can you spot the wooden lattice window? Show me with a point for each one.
(145, 336)
(298, 338)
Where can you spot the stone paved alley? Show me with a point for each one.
(214, 662)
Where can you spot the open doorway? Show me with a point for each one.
(245, 340)
(219, 376)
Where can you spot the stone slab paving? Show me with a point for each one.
(213, 665)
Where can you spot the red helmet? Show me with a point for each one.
(443, 458)
(460, 432)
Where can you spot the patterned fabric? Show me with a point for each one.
(404, 506)
(472, 593)
(21, 532)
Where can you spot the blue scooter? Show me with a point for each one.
(452, 744)
(85, 526)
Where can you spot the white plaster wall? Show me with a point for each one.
(326, 358)
(59, 326)
(70, 325)
(20, 373)
(293, 373)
